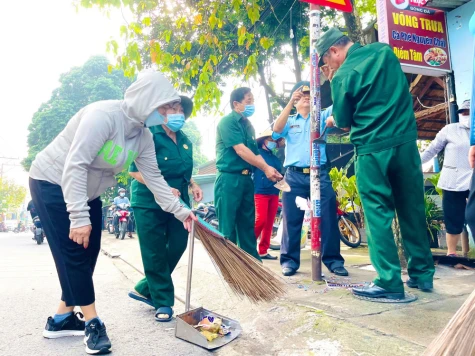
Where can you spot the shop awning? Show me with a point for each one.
(429, 103)
(447, 5)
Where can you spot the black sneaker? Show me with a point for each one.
(96, 340)
(73, 325)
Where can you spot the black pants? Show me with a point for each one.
(470, 210)
(293, 217)
(454, 205)
(74, 263)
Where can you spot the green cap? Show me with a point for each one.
(187, 105)
(305, 87)
(327, 40)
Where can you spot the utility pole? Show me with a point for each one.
(7, 164)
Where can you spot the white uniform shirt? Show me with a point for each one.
(456, 172)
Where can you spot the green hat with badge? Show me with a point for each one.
(327, 40)
(305, 87)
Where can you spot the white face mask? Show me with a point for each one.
(464, 120)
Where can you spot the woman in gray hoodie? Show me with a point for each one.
(67, 179)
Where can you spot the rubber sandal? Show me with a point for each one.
(164, 310)
(140, 298)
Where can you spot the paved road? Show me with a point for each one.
(29, 291)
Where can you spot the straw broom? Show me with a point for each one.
(457, 338)
(245, 275)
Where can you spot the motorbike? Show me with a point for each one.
(349, 232)
(208, 214)
(110, 221)
(123, 214)
(3, 228)
(19, 229)
(39, 234)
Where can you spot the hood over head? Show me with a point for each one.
(148, 92)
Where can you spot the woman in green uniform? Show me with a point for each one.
(162, 238)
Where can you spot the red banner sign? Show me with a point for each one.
(342, 5)
(417, 35)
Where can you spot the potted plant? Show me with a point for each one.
(433, 216)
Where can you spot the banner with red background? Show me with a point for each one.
(417, 35)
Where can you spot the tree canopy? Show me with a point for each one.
(11, 195)
(78, 88)
(200, 43)
(94, 81)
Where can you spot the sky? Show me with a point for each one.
(43, 39)
(40, 40)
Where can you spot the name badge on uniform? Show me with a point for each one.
(185, 146)
(292, 126)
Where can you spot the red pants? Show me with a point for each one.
(266, 209)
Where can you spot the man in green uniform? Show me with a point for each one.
(371, 98)
(236, 155)
(162, 238)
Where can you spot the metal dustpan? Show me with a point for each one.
(185, 328)
(185, 322)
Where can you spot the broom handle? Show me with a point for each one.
(191, 247)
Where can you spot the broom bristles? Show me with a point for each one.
(245, 275)
(457, 338)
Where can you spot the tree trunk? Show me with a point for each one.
(269, 89)
(353, 25)
(266, 86)
(295, 55)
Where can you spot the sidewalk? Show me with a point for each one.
(311, 319)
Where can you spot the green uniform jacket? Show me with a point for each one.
(232, 130)
(175, 162)
(371, 95)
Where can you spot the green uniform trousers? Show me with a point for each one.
(234, 202)
(389, 181)
(163, 240)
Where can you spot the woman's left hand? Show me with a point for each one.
(197, 192)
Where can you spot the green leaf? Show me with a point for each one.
(266, 42)
(236, 4)
(147, 21)
(212, 21)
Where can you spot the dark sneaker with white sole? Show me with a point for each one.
(96, 340)
(73, 325)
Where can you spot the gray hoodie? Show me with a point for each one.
(103, 139)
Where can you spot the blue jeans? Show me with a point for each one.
(293, 217)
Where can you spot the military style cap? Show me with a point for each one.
(187, 105)
(327, 40)
(305, 87)
(465, 106)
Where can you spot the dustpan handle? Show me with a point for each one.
(191, 247)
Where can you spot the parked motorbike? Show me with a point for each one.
(208, 214)
(110, 220)
(39, 235)
(123, 213)
(3, 228)
(349, 232)
(19, 229)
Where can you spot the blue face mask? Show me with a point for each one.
(175, 122)
(154, 119)
(249, 111)
(271, 145)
